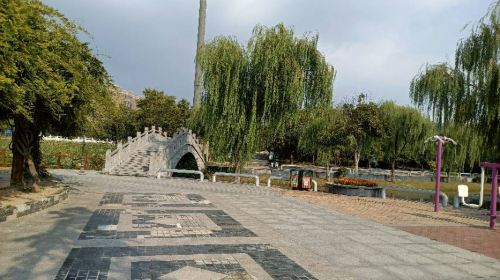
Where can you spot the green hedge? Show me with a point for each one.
(57, 154)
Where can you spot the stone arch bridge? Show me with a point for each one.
(152, 150)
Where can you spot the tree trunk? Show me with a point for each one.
(36, 152)
(31, 174)
(328, 170)
(237, 169)
(393, 168)
(24, 175)
(357, 156)
(17, 166)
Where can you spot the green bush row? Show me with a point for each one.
(66, 155)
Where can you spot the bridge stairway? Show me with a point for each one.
(137, 164)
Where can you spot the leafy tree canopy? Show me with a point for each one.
(468, 92)
(49, 80)
(405, 130)
(259, 88)
(162, 111)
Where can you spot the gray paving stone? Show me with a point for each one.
(308, 239)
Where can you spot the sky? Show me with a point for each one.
(376, 46)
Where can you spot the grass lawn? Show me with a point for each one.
(449, 188)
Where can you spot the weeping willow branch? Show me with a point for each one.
(468, 92)
(258, 88)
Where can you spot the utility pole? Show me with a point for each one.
(201, 41)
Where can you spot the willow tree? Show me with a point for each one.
(364, 124)
(467, 153)
(438, 90)
(49, 81)
(468, 92)
(405, 130)
(258, 88)
(323, 133)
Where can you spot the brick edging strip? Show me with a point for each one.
(7, 214)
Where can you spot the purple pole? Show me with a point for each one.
(438, 175)
(494, 194)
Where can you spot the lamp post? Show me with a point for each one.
(440, 140)
(200, 43)
(82, 172)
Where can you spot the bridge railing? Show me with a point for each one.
(169, 146)
(185, 171)
(157, 161)
(237, 175)
(123, 151)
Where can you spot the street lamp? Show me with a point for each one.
(82, 172)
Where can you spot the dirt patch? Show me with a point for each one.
(13, 197)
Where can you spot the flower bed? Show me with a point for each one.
(355, 182)
(356, 187)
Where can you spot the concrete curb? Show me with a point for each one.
(11, 213)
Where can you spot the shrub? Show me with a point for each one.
(341, 172)
(355, 182)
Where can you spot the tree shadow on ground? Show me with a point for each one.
(46, 250)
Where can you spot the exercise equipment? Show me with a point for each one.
(440, 140)
(463, 192)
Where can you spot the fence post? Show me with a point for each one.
(58, 154)
(86, 161)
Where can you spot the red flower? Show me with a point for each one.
(355, 182)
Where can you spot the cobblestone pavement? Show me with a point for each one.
(144, 228)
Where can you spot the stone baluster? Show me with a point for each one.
(107, 164)
(129, 146)
(146, 134)
(137, 138)
(119, 153)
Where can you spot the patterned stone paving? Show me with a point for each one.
(143, 228)
(95, 262)
(162, 223)
(169, 215)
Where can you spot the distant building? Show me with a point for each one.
(126, 97)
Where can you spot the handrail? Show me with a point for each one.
(288, 165)
(124, 150)
(214, 177)
(444, 197)
(185, 171)
(273, 178)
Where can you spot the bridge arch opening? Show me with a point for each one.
(188, 162)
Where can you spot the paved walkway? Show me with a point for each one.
(141, 228)
(464, 227)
